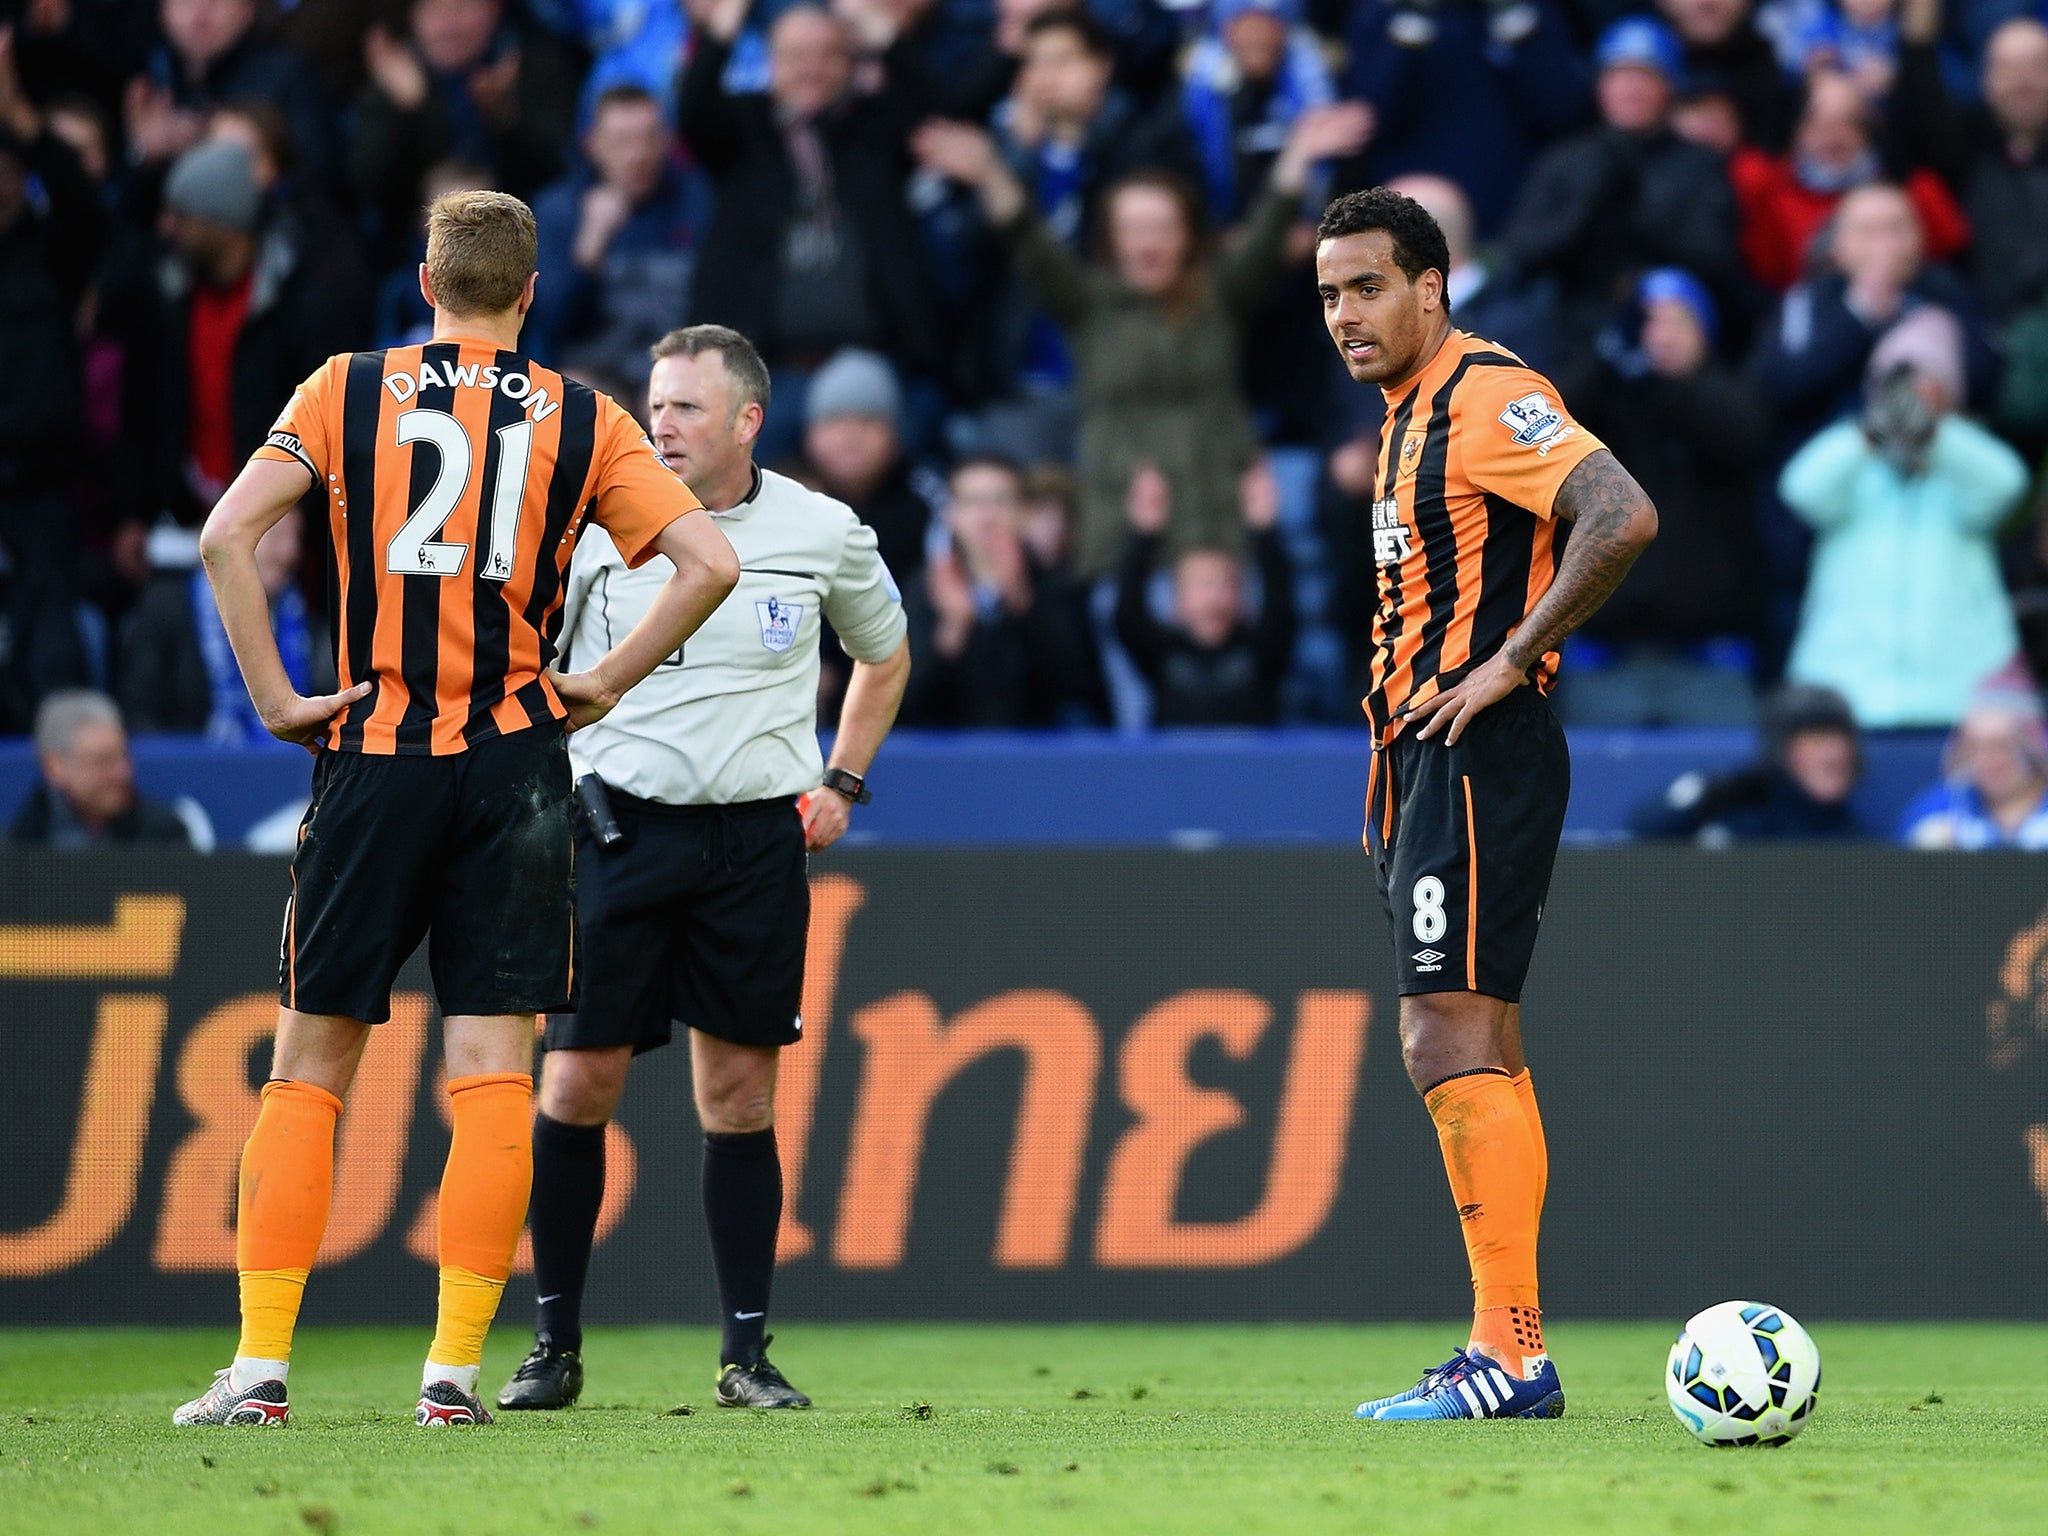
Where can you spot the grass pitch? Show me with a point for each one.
(999, 1429)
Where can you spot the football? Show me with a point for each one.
(1743, 1373)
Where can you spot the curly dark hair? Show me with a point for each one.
(1418, 242)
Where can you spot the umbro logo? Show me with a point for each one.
(1428, 959)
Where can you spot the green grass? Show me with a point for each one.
(960, 1429)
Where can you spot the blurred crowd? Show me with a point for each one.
(1034, 282)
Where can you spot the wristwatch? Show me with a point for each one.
(849, 784)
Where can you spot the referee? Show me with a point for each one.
(692, 897)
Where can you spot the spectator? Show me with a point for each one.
(811, 245)
(853, 448)
(1052, 512)
(1605, 206)
(1787, 199)
(618, 241)
(465, 82)
(1800, 791)
(1993, 791)
(51, 233)
(1155, 335)
(1211, 663)
(1254, 71)
(87, 795)
(178, 674)
(1671, 646)
(1995, 155)
(1721, 43)
(234, 311)
(1469, 93)
(1067, 132)
(209, 58)
(1484, 300)
(1813, 358)
(1856, 39)
(997, 639)
(1905, 612)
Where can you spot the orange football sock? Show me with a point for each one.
(1490, 1155)
(484, 1189)
(1525, 1090)
(287, 1182)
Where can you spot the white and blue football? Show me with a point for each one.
(1743, 1373)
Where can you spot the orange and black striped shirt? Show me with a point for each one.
(458, 477)
(1472, 454)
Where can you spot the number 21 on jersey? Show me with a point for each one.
(415, 549)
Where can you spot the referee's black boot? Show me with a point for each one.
(547, 1378)
(758, 1385)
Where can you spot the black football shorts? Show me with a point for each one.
(699, 917)
(1463, 841)
(470, 851)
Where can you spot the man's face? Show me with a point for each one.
(691, 418)
(1674, 341)
(200, 31)
(1375, 314)
(1062, 78)
(809, 63)
(1208, 595)
(628, 145)
(1823, 763)
(1148, 238)
(2016, 77)
(1633, 99)
(201, 242)
(454, 35)
(1704, 21)
(1257, 40)
(1993, 757)
(985, 508)
(1832, 131)
(1877, 236)
(851, 453)
(94, 775)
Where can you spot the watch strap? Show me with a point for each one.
(845, 782)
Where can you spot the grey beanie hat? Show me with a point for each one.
(215, 181)
(854, 383)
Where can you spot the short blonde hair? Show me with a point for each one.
(481, 249)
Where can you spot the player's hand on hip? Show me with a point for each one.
(826, 815)
(1485, 685)
(586, 696)
(303, 721)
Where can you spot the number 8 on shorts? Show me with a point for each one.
(1427, 900)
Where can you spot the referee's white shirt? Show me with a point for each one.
(734, 715)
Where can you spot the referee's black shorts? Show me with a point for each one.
(1463, 841)
(699, 917)
(470, 851)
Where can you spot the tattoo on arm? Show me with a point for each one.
(1613, 522)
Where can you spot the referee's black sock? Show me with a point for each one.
(568, 1188)
(743, 1209)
